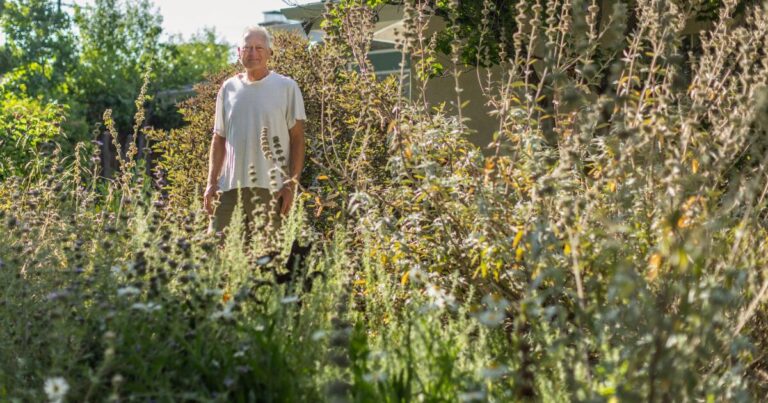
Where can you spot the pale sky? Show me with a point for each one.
(228, 17)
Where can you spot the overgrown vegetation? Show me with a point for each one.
(608, 245)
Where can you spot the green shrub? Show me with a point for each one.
(183, 158)
(26, 126)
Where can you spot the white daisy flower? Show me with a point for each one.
(56, 388)
(491, 318)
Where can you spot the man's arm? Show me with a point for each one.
(215, 161)
(296, 150)
(296, 134)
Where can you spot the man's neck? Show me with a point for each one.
(256, 74)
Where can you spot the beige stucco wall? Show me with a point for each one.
(443, 90)
(471, 81)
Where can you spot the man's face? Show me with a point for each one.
(253, 53)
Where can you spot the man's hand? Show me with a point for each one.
(215, 162)
(285, 195)
(209, 197)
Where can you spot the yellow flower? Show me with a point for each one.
(654, 264)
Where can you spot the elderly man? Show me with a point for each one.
(248, 103)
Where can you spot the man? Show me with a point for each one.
(247, 103)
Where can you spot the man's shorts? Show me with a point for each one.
(249, 198)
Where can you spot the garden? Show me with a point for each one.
(609, 244)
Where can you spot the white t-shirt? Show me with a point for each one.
(243, 108)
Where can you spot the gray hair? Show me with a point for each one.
(256, 29)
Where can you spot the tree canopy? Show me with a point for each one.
(93, 57)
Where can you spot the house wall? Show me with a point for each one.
(473, 96)
(442, 90)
